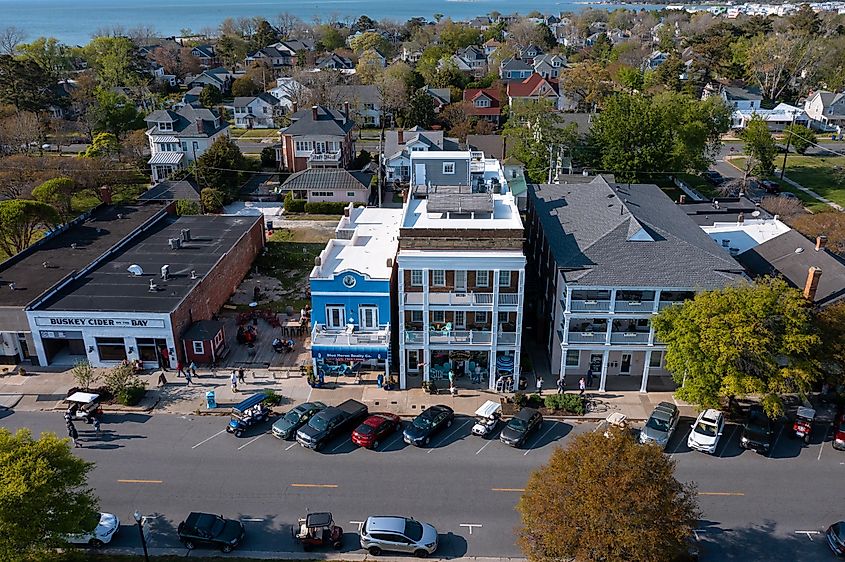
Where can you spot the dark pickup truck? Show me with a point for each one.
(329, 422)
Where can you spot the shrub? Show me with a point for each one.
(84, 375)
(571, 403)
(520, 399)
(273, 399)
(211, 199)
(187, 207)
(268, 156)
(325, 207)
(126, 386)
(133, 394)
(294, 205)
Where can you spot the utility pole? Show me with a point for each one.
(788, 140)
(380, 176)
(551, 161)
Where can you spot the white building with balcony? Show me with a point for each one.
(461, 278)
(604, 259)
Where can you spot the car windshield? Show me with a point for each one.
(657, 424)
(705, 428)
(517, 424)
(318, 423)
(841, 425)
(413, 530)
(756, 424)
(422, 422)
(292, 416)
(839, 529)
(364, 429)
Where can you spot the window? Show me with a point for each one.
(302, 146)
(416, 278)
(438, 316)
(448, 167)
(368, 317)
(726, 243)
(322, 194)
(460, 319)
(416, 316)
(573, 357)
(656, 359)
(482, 102)
(184, 146)
(482, 278)
(438, 277)
(480, 317)
(504, 317)
(199, 348)
(335, 316)
(350, 194)
(196, 147)
(165, 126)
(504, 278)
(369, 107)
(111, 349)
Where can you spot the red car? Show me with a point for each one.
(374, 429)
(839, 433)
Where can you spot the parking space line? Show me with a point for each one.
(393, 441)
(490, 440)
(251, 441)
(291, 446)
(824, 437)
(683, 440)
(470, 526)
(454, 431)
(139, 482)
(808, 533)
(721, 493)
(339, 445)
(313, 486)
(520, 490)
(209, 439)
(775, 444)
(252, 519)
(539, 439)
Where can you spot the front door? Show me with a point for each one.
(625, 366)
(460, 281)
(460, 319)
(335, 316)
(368, 317)
(419, 174)
(413, 360)
(595, 362)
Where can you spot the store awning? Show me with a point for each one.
(348, 354)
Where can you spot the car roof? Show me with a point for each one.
(375, 420)
(666, 407)
(526, 413)
(198, 518)
(322, 519)
(432, 410)
(711, 415)
(389, 523)
(305, 406)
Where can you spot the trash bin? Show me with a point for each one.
(380, 381)
(211, 401)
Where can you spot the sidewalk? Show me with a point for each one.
(45, 391)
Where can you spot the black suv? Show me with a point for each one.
(757, 431)
(520, 427)
(212, 530)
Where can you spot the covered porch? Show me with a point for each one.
(615, 369)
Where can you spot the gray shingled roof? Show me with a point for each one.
(185, 121)
(605, 234)
(327, 178)
(172, 191)
(329, 122)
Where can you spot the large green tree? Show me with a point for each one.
(831, 323)
(116, 60)
(760, 147)
(115, 113)
(606, 498)
(20, 221)
(53, 57)
(536, 133)
(749, 339)
(220, 167)
(800, 137)
(24, 84)
(58, 193)
(420, 110)
(43, 493)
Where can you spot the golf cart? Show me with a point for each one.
(487, 417)
(84, 406)
(803, 426)
(251, 411)
(318, 529)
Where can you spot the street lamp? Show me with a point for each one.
(139, 519)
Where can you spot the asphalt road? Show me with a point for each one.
(755, 508)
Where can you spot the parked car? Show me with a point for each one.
(706, 431)
(757, 431)
(212, 530)
(835, 536)
(520, 427)
(374, 429)
(714, 177)
(770, 186)
(287, 425)
(329, 422)
(660, 425)
(398, 534)
(427, 424)
(839, 432)
(99, 534)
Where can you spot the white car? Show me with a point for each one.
(99, 535)
(706, 431)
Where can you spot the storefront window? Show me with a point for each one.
(149, 348)
(573, 357)
(111, 349)
(655, 359)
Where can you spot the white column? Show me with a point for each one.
(656, 308)
(426, 320)
(494, 336)
(400, 325)
(604, 360)
(562, 370)
(612, 300)
(568, 307)
(650, 334)
(646, 367)
(609, 330)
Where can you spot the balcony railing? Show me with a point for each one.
(508, 299)
(587, 337)
(453, 337)
(667, 304)
(589, 305)
(451, 299)
(628, 337)
(325, 157)
(634, 306)
(506, 338)
(321, 335)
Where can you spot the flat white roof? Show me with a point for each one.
(505, 216)
(760, 230)
(375, 239)
(439, 154)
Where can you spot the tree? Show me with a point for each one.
(777, 61)
(58, 193)
(243, 87)
(24, 84)
(532, 131)
(830, 223)
(458, 36)
(805, 21)
(369, 69)
(268, 156)
(219, 167)
(264, 35)
(84, 374)
(187, 207)
(800, 137)
(606, 498)
(630, 78)
(210, 96)
(177, 61)
(53, 57)
(755, 338)
(44, 493)
(760, 147)
(330, 37)
(125, 385)
(286, 23)
(20, 221)
(104, 145)
(420, 110)
(369, 40)
(211, 199)
(10, 38)
(116, 61)
(831, 324)
(232, 49)
(587, 82)
(115, 113)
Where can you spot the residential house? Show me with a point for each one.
(492, 146)
(317, 137)
(738, 98)
(288, 91)
(60, 108)
(776, 119)
(410, 53)
(490, 46)
(333, 61)
(331, 184)
(191, 97)
(218, 77)
(475, 58)
(460, 297)
(459, 63)
(515, 69)
(256, 112)
(178, 137)
(378, 56)
(399, 144)
(655, 59)
(484, 103)
(589, 240)
(481, 23)
(529, 52)
(364, 102)
(282, 55)
(351, 286)
(206, 55)
(549, 66)
(826, 110)
(441, 97)
(535, 88)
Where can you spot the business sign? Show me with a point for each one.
(98, 322)
(61, 335)
(348, 355)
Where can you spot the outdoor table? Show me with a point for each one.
(291, 327)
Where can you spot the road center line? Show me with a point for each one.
(251, 441)
(450, 434)
(209, 439)
(539, 439)
(139, 482)
(721, 493)
(507, 490)
(313, 485)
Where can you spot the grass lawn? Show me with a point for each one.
(824, 175)
(121, 194)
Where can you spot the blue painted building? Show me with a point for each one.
(350, 293)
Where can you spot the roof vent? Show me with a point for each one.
(73, 246)
(193, 274)
(175, 243)
(153, 286)
(135, 270)
(186, 234)
(165, 272)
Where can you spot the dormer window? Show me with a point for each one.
(165, 125)
(482, 102)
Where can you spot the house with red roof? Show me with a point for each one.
(484, 103)
(537, 87)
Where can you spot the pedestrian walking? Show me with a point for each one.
(234, 380)
(180, 369)
(451, 378)
(162, 380)
(193, 369)
(539, 385)
(241, 374)
(561, 386)
(73, 434)
(188, 379)
(95, 421)
(163, 358)
(590, 378)
(582, 386)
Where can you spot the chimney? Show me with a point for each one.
(821, 242)
(314, 112)
(400, 136)
(812, 284)
(682, 199)
(105, 194)
(345, 111)
(200, 126)
(740, 218)
(294, 107)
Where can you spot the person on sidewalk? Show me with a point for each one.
(241, 375)
(73, 434)
(582, 386)
(590, 377)
(95, 421)
(193, 369)
(163, 358)
(539, 385)
(180, 369)
(188, 378)
(234, 380)
(561, 386)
